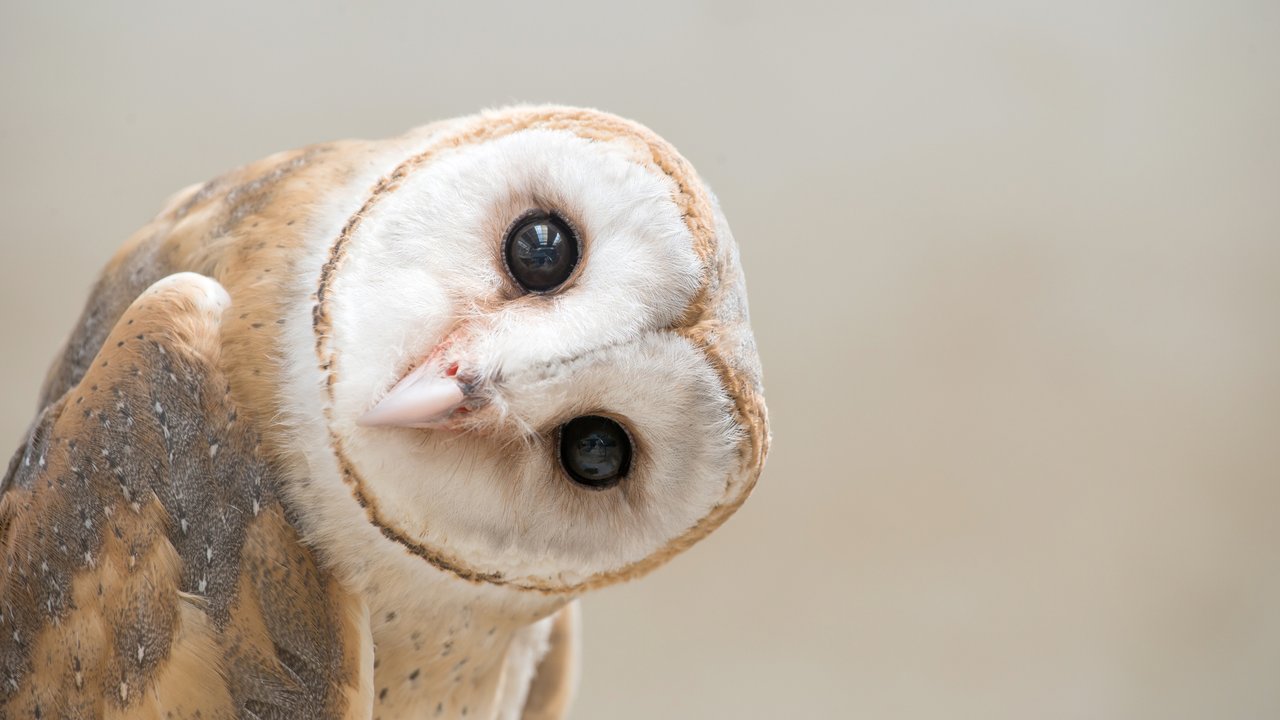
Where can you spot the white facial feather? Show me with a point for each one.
(423, 276)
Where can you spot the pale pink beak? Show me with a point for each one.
(423, 399)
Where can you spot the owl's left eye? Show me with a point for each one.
(541, 253)
(595, 451)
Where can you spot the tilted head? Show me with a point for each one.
(530, 347)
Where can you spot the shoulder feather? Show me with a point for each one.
(149, 569)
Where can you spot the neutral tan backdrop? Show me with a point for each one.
(1015, 273)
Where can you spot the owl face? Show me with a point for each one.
(513, 392)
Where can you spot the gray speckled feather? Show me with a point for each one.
(140, 530)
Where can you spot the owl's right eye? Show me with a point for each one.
(541, 253)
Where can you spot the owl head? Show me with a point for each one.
(527, 360)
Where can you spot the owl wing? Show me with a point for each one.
(142, 534)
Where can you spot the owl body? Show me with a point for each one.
(325, 441)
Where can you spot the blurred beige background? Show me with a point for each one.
(1015, 273)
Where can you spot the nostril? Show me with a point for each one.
(452, 371)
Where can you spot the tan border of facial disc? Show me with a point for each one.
(697, 326)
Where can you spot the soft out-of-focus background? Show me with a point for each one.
(1015, 274)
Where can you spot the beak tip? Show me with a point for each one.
(422, 401)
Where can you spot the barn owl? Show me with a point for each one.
(345, 433)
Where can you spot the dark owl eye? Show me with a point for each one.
(595, 451)
(541, 253)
